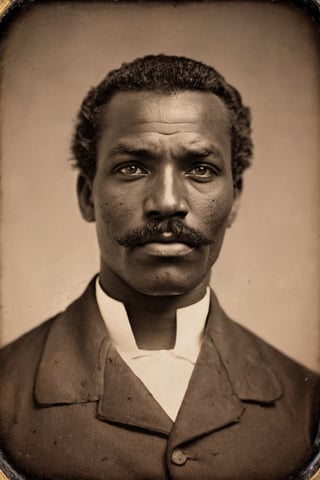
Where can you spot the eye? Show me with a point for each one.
(202, 172)
(131, 170)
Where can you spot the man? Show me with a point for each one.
(144, 376)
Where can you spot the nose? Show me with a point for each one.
(166, 196)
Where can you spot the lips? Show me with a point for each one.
(166, 249)
(164, 238)
(166, 245)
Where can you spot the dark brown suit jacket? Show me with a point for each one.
(70, 408)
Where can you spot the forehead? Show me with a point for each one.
(184, 116)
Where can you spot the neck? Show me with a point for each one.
(152, 318)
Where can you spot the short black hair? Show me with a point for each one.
(165, 74)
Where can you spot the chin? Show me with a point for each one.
(164, 287)
(164, 292)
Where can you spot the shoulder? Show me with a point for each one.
(300, 385)
(65, 334)
(18, 356)
(19, 362)
(281, 362)
(18, 368)
(286, 368)
(254, 364)
(244, 340)
(23, 355)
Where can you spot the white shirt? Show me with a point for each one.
(166, 373)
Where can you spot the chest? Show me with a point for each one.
(71, 442)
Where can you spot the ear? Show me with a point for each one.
(234, 208)
(85, 199)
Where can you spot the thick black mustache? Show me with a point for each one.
(153, 230)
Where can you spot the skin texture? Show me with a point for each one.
(160, 157)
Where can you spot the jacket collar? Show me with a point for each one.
(79, 364)
(72, 362)
(243, 355)
(230, 370)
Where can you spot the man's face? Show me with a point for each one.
(162, 195)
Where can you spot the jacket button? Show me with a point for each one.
(178, 457)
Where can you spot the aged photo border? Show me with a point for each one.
(9, 9)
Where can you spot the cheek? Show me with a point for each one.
(113, 214)
(214, 213)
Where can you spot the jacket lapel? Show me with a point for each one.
(243, 357)
(209, 403)
(229, 371)
(127, 401)
(71, 366)
(79, 364)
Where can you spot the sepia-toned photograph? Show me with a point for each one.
(160, 262)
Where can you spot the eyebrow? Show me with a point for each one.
(122, 149)
(200, 152)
